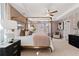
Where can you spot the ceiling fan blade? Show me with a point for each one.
(51, 12)
(51, 15)
(54, 11)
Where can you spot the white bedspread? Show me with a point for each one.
(26, 40)
(36, 39)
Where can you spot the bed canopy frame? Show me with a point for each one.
(41, 47)
(49, 19)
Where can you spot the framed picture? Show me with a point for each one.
(61, 26)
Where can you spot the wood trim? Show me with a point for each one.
(36, 47)
(38, 17)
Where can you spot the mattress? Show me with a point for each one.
(26, 40)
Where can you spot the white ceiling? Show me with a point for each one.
(40, 9)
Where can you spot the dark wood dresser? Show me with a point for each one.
(11, 49)
(74, 40)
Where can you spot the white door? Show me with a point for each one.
(66, 29)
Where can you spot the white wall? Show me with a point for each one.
(54, 26)
(70, 23)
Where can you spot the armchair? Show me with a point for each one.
(56, 35)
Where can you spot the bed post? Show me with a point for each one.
(51, 27)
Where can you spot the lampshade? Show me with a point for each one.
(8, 26)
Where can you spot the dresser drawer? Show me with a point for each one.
(15, 52)
(8, 51)
(11, 50)
(16, 46)
(74, 40)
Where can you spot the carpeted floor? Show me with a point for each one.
(62, 48)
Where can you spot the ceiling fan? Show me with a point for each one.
(51, 13)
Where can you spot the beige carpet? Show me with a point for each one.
(62, 48)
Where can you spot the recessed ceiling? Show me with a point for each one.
(41, 9)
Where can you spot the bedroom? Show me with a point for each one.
(50, 25)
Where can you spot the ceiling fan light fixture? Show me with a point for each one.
(50, 14)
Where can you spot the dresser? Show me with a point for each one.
(10, 49)
(74, 40)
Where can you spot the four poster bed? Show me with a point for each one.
(37, 40)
